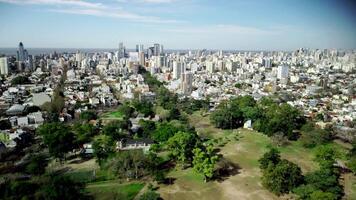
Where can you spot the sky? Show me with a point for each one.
(179, 24)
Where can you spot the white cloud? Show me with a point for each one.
(223, 29)
(115, 13)
(78, 3)
(81, 7)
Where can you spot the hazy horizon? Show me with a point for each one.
(184, 24)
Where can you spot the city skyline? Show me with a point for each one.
(186, 24)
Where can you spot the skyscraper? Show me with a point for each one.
(282, 72)
(4, 69)
(121, 50)
(186, 83)
(21, 53)
(177, 69)
(156, 50)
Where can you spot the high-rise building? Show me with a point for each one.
(187, 83)
(156, 49)
(210, 66)
(177, 69)
(139, 48)
(4, 68)
(282, 72)
(21, 53)
(141, 57)
(122, 50)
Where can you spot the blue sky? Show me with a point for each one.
(179, 24)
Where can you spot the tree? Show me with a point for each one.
(5, 124)
(325, 180)
(147, 128)
(150, 195)
(351, 164)
(318, 195)
(116, 130)
(325, 156)
(144, 107)
(31, 109)
(37, 165)
(62, 187)
(19, 80)
(166, 99)
(181, 146)
(271, 157)
(83, 132)
(204, 162)
(103, 146)
(227, 116)
(88, 115)
(313, 136)
(272, 118)
(58, 137)
(164, 131)
(126, 110)
(128, 164)
(174, 114)
(282, 178)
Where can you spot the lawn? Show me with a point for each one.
(243, 148)
(4, 137)
(113, 115)
(106, 190)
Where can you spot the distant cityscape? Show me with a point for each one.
(321, 82)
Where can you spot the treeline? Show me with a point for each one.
(281, 176)
(267, 116)
(49, 186)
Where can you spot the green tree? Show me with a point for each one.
(150, 195)
(58, 137)
(18, 80)
(320, 195)
(103, 146)
(164, 131)
(351, 164)
(37, 165)
(147, 128)
(144, 107)
(325, 156)
(126, 110)
(88, 115)
(272, 157)
(83, 132)
(204, 162)
(282, 178)
(116, 130)
(181, 146)
(227, 116)
(62, 187)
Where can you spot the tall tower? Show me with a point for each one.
(21, 53)
(121, 50)
(177, 69)
(4, 69)
(156, 50)
(186, 83)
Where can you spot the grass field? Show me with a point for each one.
(243, 148)
(113, 115)
(4, 137)
(108, 190)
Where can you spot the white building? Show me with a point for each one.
(210, 66)
(177, 69)
(282, 72)
(4, 69)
